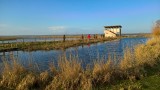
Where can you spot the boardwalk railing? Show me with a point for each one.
(50, 38)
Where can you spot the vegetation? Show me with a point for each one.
(156, 29)
(139, 69)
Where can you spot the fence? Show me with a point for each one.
(47, 39)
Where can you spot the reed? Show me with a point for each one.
(12, 74)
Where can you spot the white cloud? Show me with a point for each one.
(74, 30)
(57, 28)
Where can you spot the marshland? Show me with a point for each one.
(79, 45)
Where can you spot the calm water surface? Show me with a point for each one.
(87, 54)
(36, 40)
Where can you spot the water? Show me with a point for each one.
(36, 40)
(86, 54)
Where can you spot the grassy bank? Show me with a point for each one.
(50, 45)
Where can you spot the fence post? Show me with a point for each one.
(101, 35)
(82, 37)
(64, 38)
(94, 36)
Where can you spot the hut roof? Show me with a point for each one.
(116, 26)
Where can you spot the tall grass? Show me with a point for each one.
(12, 74)
(70, 75)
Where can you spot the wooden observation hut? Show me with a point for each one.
(112, 31)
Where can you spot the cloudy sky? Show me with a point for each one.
(50, 17)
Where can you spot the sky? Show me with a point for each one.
(57, 17)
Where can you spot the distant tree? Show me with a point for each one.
(158, 23)
(156, 29)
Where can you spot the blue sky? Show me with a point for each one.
(50, 17)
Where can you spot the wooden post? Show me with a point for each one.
(120, 32)
(101, 35)
(94, 36)
(64, 38)
(82, 37)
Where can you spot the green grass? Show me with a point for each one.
(146, 83)
(149, 82)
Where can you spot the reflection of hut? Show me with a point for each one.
(112, 31)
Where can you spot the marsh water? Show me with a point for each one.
(36, 40)
(86, 54)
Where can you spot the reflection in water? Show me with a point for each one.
(36, 40)
(87, 54)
